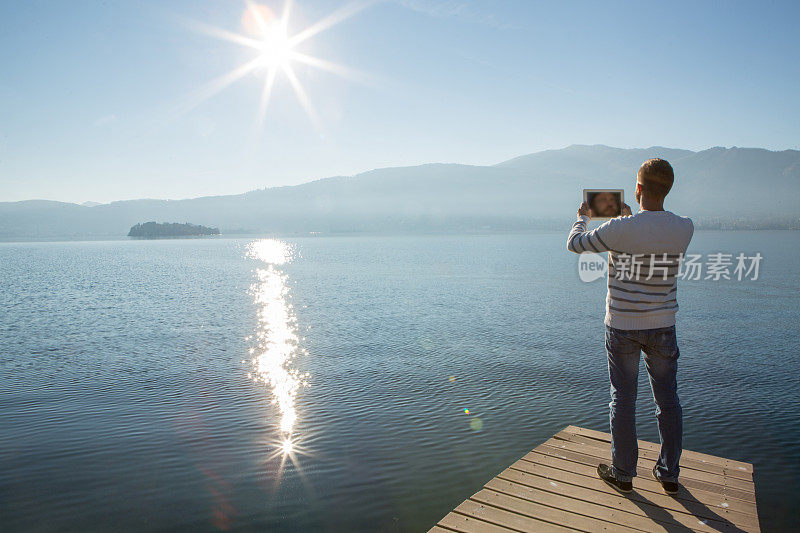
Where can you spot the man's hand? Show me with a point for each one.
(584, 210)
(625, 211)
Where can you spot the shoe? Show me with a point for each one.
(670, 487)
(605, 473)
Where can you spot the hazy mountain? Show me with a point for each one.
(537, 190)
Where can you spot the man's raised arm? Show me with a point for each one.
(601, 239)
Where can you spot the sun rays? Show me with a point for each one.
(275, 54)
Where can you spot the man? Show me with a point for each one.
(645, 250)
(604, 204)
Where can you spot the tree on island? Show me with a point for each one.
(154, 230)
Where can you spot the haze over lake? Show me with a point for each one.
(752, 188)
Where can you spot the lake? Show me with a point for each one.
(321, 383)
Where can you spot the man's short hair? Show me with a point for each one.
(655, 177)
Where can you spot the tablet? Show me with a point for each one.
(604, 203)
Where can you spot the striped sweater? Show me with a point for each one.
(645, 251)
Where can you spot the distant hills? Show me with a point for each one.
(718, 187)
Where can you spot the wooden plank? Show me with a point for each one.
(555, 488)
(652, 455)
(599, 435)
(720, 501)
(569, 501)
(737, 512)
(718, 496)
(505, 519)
(647, 464)
(572, 491)
(645, 474)
(468, 524)
(544, 511)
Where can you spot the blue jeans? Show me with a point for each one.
(661, 353)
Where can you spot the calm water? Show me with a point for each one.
(320, 383)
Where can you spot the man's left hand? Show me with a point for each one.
(584, 210)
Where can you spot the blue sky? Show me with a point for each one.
(94, 96)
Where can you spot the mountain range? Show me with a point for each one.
(718, 187)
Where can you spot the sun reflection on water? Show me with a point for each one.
(276, 342)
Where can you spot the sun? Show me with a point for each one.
(276, 47)
(275, 51)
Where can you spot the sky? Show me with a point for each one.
(104, 101)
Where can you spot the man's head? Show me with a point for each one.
(604, 204)
(654, 180)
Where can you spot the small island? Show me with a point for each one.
(154, 230)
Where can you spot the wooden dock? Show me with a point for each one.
(555, 488)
